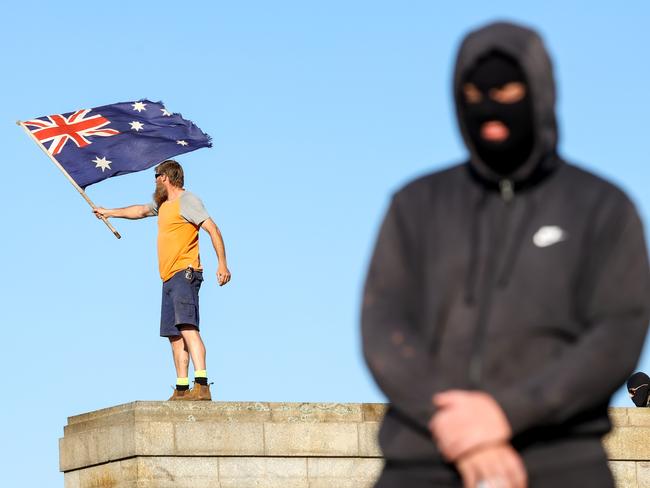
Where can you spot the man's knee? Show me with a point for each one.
(176, 341)
(189, 330)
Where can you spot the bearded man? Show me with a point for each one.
(180, 215)
(508, 297)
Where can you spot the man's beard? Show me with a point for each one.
(160, 195)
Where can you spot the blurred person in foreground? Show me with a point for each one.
(637, 387)
(507, 297)
(180, 216)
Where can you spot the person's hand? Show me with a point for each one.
(493, 466)
(101, 212)
(465, 420)
(223, 274)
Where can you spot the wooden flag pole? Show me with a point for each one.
(70, 179)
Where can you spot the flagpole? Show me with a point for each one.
(70, 179)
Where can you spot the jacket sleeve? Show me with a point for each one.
(613, 302)
(394, 348)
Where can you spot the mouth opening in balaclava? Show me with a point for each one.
(637, 387)
(499, 126)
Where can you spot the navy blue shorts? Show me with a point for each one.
(180, 302)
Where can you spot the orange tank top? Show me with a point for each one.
(178, 241)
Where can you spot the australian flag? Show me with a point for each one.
(98, 143)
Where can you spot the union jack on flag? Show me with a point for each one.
(98, 143)
(58, 129)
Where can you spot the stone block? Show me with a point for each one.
(210, 438)
(202, 411)
(316, 412)
(343, 472)
(96, 446)
(276, 472)
(638, 416)
(119, 415)
(154, 438)
(368, 444)
(71, 479)
(119, 474)
(373, 412)
(311, 439)
(618, 416)
(624, 473)
(148, 472)
(340, 483)
(173, 472)
(629, 443)
(642, 474)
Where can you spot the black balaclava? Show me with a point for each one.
(637, 386)
(493, 71)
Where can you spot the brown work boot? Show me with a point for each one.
(179, 395)
(199, 393)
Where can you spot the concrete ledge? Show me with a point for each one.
(216, 429)
(228, 472)
(240, 444)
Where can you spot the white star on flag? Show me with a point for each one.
(165, 112)
(181, 143)
(102, 163)
(139, 106)
(136, 126)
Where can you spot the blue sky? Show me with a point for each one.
(318, 112)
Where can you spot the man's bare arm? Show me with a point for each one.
(133, 212)
(223, 274)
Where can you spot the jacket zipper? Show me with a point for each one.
(506, 190)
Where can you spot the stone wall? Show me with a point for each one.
(628, 447)
(227, 445)
(274, 445)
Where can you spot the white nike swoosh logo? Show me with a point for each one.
(548, 235)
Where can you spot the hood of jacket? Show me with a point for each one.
(526, 47)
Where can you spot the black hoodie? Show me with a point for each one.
(533, 287)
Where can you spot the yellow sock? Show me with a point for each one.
(182, 383)
(201, 377)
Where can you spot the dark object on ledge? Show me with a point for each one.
(637, 386)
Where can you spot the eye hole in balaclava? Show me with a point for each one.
(498, 112)
(637, 387)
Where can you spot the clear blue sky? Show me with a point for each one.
(318, 111)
